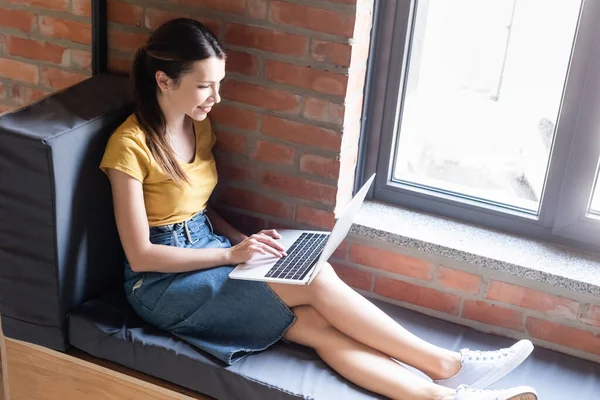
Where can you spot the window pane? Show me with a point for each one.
(482, 95)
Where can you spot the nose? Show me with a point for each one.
(216, 96)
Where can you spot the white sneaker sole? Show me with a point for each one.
(496, 374)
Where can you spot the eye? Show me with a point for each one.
(203, 87)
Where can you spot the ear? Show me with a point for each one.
(163, 81)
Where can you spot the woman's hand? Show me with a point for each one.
(263, 242)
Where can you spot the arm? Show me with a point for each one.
(222, 227)
(134, 232)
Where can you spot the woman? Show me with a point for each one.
(180, 251)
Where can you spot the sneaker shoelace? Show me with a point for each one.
(477, 355)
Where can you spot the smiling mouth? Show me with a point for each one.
(205, 109)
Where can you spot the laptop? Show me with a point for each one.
(306, 250)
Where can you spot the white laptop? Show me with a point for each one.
(306, 250)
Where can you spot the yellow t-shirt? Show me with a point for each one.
(165, 201)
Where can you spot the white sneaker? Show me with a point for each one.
(480, 369)
(465, 392)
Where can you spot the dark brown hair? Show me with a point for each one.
(173, 48)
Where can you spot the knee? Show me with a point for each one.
(326, 276)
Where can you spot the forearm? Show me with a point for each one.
(170, 259)
(223, 228)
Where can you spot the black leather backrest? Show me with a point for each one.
(58, 243)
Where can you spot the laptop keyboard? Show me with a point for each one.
(301, 257)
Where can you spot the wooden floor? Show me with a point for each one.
(35, 372)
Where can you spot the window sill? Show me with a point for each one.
(544, 262)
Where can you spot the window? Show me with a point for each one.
(488, 111)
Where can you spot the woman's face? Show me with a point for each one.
(198, 90)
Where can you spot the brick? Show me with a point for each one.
(265, 39)
(353, 277)
(316, 19)
(33, 95)
(418, 295)
(155, 18)
(126, 41)
(257, 203)
(330, 52)
(299, 188)
(242, 63)
(236, 117)
(17, 19)
(315, 217)
(124, 13)
(16, 92)
(318, 165)
(260, 96)
(391, 261)
(230, 171)
(65, 29)
(59, 79)
(34, 49)
(19, 71)
(231, 142)
(229, 6)
(82, 7)
(591, 315)
(532, 299)
(81, 59)
(492, 314)
(340, 252)
(300, 133)
(58, 5)
(273, 153)
(455, 279)
(120, 66)
(305, 77)
(564, 335)
(2, 91)
(257, 9)
(323, 110)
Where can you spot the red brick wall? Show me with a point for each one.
(45, 47)
(489, 301)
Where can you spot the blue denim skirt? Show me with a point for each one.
(227, 318)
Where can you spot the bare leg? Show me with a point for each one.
(361, 320)
(359, 363)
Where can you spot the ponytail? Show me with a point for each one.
(151, 118)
